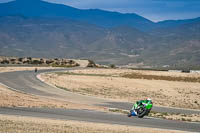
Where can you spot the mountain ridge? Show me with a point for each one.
(112, 40)
(94, 16)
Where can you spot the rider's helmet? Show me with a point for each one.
(148, 99)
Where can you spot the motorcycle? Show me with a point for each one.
(140, 110)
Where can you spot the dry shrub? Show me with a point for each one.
(158, 77)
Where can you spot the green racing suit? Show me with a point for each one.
(141, 102)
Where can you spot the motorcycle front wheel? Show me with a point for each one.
(142, 112)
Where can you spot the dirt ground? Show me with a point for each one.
(9, 98)
(127, 71)
(10, 124)
(108, 83)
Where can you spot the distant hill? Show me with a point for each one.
(174, 23)
(38, 8)
(179, 45)
(21, 36)
(37, 37)
(42, 29)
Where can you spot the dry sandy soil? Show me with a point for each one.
(146, 72)
(10, 124)
(82, 63)
(108, 83)
(9, 98)
(177, 117)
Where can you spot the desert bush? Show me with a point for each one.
(112, 66)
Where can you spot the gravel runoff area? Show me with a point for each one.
(10, 124)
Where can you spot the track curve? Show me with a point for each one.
(26, 82)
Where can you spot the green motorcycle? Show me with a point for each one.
(141, 108)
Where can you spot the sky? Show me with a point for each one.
(155, 10)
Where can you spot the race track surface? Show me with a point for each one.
(101, 117)
(26, 81)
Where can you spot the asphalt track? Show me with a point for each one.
(26, 81)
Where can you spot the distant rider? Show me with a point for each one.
(36, 70)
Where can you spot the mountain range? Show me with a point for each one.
(41, 29)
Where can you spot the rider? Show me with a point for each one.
(146, 101)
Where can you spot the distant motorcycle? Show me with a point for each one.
(140, 109)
